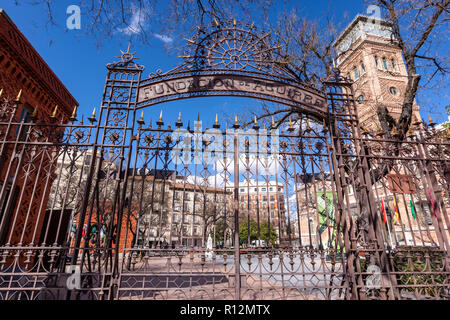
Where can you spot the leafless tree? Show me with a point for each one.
(306, 42)
(142, 20)
(417, 26)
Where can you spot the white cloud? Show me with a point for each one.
(163, 38)
(136, 25)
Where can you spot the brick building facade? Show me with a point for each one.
(30, 92)
(370, 57)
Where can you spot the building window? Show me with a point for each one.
(348, 76)
(175, 218)
(377, 63)
(394, 65)
(385, 64)
(311, 225)
(263, 189)
(242, 190)
(363, 69)
(87, 159)
(426, 217)
(356, 73)
(360, 99)
(256, 189)
(393, 91)
(242, 198)
(270, 189)
(272, 198)
(25, 116)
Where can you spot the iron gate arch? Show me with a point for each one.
(117, 181)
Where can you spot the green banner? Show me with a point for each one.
(325, 203)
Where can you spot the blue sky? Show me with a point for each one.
(81, 64)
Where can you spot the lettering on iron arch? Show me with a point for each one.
(232, 83)
(401, 183)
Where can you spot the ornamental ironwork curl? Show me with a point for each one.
(234, 46)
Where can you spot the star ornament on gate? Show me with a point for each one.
(127, 57)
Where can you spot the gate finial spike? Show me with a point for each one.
(160, 122)
(19, 95)
(141, 119)
(410, 132)
(273, 123)
(92, 118)
(379, 130)
(364, 130)
(216, 123)
(308, 128)
(236, 125)
(256, 122)
(198, 116)
(74, 114)
(431, 121)
(54, 112)
(34, 115)
(1, 92)
(179, 123)
(291, 127)
(394, 131)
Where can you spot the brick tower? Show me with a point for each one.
(369, 55)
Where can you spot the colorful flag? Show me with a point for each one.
(432, 202)
(412, 209)
(397, 216)
(384, 211)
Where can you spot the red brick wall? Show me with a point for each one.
(21, 68)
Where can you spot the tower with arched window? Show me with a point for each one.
(368, 54)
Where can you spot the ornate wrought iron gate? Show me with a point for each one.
(120, 207)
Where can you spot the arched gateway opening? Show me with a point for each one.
(139, 209)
